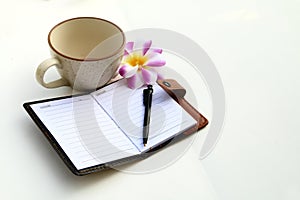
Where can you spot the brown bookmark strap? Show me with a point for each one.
(177, 92)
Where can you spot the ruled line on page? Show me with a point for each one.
(125, 107)
(90, 126)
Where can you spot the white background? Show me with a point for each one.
(255, 46)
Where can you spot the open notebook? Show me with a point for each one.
(106, 125)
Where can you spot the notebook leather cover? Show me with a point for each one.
(172, 87)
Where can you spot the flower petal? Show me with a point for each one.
(160, 76)
(127, 71)
(135, 81)
(156, 50)
(155, 60)
(149, 76)
(128, 48)
(156, 63)
(125, 56)
(146, 46)
(153, 53)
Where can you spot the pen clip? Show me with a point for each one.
(147, 96)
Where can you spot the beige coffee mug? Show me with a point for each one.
(86, 51)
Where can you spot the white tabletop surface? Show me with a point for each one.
(255, 46)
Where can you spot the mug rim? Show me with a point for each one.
(87, 59)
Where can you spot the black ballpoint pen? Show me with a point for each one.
(147, 101)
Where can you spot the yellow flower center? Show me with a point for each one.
(136, 59)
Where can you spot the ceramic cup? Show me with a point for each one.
(86, 51)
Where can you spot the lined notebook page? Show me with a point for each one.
(125, 106)
(84, 131)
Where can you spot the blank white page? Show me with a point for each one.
(125, 106)
(84, 131)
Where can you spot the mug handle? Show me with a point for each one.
(41, 70)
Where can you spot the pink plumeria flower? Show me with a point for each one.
(139, 65)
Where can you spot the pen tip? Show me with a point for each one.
(144, 145)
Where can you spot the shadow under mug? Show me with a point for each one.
(86, 51)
